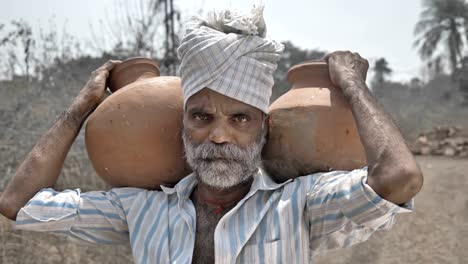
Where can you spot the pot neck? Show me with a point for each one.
(125, 79)
(310, 74)
(130, 71)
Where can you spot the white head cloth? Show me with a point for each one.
(229, 53)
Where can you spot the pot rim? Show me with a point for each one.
(135, 60)
(114, 74)
(310, 64)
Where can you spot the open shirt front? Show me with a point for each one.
(274, 223)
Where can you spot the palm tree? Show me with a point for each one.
(381, 71)
(443, 22)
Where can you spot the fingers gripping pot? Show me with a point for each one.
(312, 128)
(133, 138)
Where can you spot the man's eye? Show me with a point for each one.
(241, 118)
(200, 117)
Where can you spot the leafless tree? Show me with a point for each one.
(18, 45)
(30, 53)
(140, 28)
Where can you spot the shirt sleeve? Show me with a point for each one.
(342, 210)
(96, 217)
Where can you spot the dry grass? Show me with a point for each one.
(436, 233)
(24, 247)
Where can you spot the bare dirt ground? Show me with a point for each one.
(437, 232)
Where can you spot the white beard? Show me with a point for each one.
(223, 166)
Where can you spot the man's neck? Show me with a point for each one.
(221, 197)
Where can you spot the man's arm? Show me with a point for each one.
(43, 164)
(393, 171)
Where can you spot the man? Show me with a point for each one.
(228, 210)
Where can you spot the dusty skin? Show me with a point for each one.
(437, 232)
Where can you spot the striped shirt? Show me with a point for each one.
(274, 223)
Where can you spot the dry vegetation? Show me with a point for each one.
(436, 231)
(418, 108)
(52, 75)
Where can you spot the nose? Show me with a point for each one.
(220, 134)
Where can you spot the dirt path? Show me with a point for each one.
(437, 232)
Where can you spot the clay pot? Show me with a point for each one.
(133, 138)
(312, 128)
(130, 71)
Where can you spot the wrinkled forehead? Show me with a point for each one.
(208, 100)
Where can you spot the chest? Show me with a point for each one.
(207, 218)
(263, 228)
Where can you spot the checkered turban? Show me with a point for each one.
(228, 52)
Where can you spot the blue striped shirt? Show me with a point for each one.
(273, 223)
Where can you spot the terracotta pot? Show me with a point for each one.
(312, 128)
(133, 138)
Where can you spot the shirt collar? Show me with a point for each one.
(183, 188)
(262, 181)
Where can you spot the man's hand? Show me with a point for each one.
(393, 171)
(346, 68)
(93, 92)
(43, 164)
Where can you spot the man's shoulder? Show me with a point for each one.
(131, 193)
(321, 178)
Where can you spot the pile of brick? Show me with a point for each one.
(446, 141)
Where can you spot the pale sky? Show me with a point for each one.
(374, 28)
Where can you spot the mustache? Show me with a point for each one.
(222, 165)
(210, 151)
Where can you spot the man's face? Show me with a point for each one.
(223, 138)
